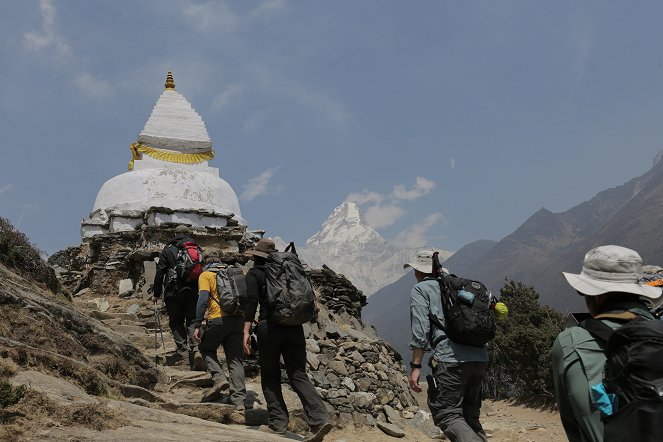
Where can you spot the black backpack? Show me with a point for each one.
(290, 295)
(230, 287)
(468, 316)
(634, 373)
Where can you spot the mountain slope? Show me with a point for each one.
(547, 243)
(637, 225)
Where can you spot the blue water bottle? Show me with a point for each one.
(466, 297)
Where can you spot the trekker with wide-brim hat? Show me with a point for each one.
(609, 283)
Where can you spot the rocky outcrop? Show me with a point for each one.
(337, 293)
(41, 332)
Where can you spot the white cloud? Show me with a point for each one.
(260, 185)
(382, 216)
(47, 36)
(266, 8)
(212, 16)
(220, 17)
(422, 187)
(6, 188)
(330, 108)
(49, 41)
(584, 41)
(364, 197)
(418, 234)
(385, 210)
(452, 163)
(92, 86)
(227, 97)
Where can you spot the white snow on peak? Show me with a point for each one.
(348, 245)
(345, 225)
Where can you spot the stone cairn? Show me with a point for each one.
(357, 373)
(360, 377)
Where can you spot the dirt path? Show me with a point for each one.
(183, 390)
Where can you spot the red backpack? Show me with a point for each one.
(189, 261)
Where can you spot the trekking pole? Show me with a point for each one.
(157, 321)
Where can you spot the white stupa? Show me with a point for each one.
(169, 179)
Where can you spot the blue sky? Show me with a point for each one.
(448, 121)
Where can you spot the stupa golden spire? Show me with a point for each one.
(170, 83)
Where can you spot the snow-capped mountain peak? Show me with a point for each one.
(345, 224)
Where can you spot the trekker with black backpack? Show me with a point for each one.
(278, 285)
(454, 389)
(608, 370)
(180, 264)
(221, 291)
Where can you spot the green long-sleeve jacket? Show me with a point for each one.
(577, 364)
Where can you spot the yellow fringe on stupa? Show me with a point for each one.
(167, 155)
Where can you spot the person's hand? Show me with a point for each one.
(413, 380)
(247, 343)
(196, 334)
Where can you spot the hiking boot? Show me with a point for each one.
(198, 364)
(318, 432)
(214, 393)
(270, 430)
(175, 358)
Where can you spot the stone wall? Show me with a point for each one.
(104, 260)
(356, 372)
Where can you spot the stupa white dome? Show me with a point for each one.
(169, 179)
(173, 188)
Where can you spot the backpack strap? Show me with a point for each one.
(602, 331)
(444, 295)
(622, 316)
(597, 329)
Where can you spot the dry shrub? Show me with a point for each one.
(35, 410)
(86, 377)
(17, 252)
(7, 368)
(96, 416)
(114, 367)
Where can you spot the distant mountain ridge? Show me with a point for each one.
(548, 243)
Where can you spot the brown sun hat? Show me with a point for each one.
(263, 248)
(183, 229)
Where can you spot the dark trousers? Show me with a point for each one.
(229, 332)
(181, 310)
(456, 402)
(275, 341)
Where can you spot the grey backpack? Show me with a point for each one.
(230, 287)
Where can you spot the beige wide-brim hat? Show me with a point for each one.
(423, 262)
(611, 268)
(263, 248)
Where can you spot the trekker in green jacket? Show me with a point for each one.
(609, 284)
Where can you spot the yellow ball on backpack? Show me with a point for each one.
(501, 311)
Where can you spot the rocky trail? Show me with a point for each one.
(67, 404)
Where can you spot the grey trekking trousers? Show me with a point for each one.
(229, 332)
(456, 401)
